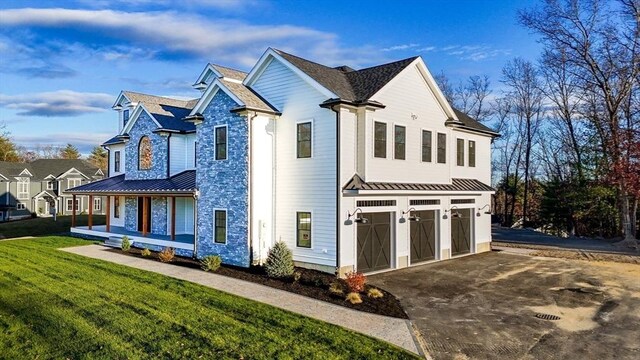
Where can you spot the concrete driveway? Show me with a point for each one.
(484, 307)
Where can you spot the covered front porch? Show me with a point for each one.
(180, 241)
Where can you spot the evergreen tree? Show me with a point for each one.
(98, 158)
(69, 152)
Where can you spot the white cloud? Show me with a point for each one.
(401, 47)
(57, 103)
(83, 141)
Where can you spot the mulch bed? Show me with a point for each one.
(312, 283)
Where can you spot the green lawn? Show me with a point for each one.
(45, 226)
(59, 305)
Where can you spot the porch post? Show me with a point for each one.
(173, 218)
(108, 211)
(144, 216)
(73, 210)
(90, 222)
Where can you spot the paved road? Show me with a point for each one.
(483, 307)
(530, 237)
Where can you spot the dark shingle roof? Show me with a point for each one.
(167, 111)
(12, 169)
(472, 124)
(182, 183)
(356, 183)
(349, 84)
(56, 167)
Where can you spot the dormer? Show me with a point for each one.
(124, 106)
(213, 71)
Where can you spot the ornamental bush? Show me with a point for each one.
(355, 281)
(354, 298)
(146, 252)
(279, 261)
(211, 263)
(167, 254)
(126, 244)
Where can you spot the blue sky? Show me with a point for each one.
(62, 63)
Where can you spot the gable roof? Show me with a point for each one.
(166, 111)
(469, 123)
(13, 169)
(42, 168)
(230, 73)
(246, 98)
(347, 83)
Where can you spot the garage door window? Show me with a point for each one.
(303, 225)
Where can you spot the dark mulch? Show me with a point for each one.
(312, 283)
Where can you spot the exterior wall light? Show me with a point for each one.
(486, 212)
(454, 214)
(410, 217)
(359, 220)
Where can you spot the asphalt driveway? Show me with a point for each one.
(484, 307)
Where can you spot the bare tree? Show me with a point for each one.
(471, 97)
(526, 97)
(601, 40)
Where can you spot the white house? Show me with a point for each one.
(366, 170)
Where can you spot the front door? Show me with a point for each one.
(423, 236)
(374, 242)
(141, 213)
(461, 232)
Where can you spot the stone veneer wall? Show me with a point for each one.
(130, 213)
(158, 215)
(223, 184)
(159, 149)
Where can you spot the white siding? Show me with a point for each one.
(406, 95)
(188, 216)
(482, 170)
(302, 184)
(177, 153)
(112, 162)
(117, 221)
(262, 162)
(190, 152)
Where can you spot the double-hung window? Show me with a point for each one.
(426, 145)
(20, 206)
(303, 227)
(116, 161)
(70, 205)
(400, 142)
(221, 142)
(51, 185)
(220, 226)
(460, 152)
(23, 189)
(442, 148)
(304, 139)
(472, 153)
(97, 204)
(71, 183)
(380, 140)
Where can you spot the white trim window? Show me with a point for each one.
(97, 204)
(427, 143)
(116, 161)
(21, 206)
(304, 139)
(23, 189)
(460, 152)
(51, 184)
(303, 229)
(71, 183)
(399, 142)
(379, 139)
(116, 207)
(70, 204)
(220, 226)
(221, 135)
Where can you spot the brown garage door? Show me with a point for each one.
(423, 236)
(374, 242)
(461, 232)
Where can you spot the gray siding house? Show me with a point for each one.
(40, 187)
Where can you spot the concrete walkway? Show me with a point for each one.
(392, 330)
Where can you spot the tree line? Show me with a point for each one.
(568, 158)
(11, 152)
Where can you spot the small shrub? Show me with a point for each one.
(296, 276)
(354, 298)
(336, 288)
(355, 281)
(211, 263)
(279, 261)
(374, 293)
(167, 254)
(126, 244)
(146, 252)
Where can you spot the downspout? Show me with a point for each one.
(333, 108)
(169, 156)
(108, 162)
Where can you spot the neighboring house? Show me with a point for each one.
(40, 186)
(365, 169)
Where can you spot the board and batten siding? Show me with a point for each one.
(406, 95)
(302, 184)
